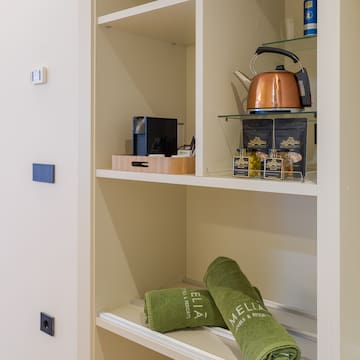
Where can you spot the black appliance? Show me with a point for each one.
(154, 135)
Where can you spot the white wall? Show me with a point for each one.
(39, 232)
(339, 194)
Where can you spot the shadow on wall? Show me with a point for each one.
(149, 223)
(157, 70)
(271, 236)
(263, 212)
(273, 17)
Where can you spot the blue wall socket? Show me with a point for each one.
(44, 173)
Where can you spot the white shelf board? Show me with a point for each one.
(200, 343)
(225, 182)
(168, 20)
(197, 344)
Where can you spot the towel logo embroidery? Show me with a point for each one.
(245, 312)
(194, 306)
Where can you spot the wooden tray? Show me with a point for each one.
(150, 164)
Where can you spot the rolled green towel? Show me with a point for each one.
(179, 308)
(258, 334)
(171, 309)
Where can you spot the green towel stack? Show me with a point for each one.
(258, 334)
(180, 308)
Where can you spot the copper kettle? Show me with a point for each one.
(277, 90)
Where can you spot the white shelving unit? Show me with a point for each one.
(176, 58)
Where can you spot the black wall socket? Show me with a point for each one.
(47, 324)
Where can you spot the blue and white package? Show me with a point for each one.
(310, 17)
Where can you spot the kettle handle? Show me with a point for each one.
(268, 49)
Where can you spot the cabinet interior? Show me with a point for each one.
(139, 75)
(168, 234)
(152, 236)
(149, 235)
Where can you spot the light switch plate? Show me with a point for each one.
(44, 173)
(39, 75)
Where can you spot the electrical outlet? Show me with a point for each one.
(47, 324)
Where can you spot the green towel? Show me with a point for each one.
(171, 309)
(179, 308)
(258, 334)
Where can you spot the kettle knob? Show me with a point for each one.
(280, 67)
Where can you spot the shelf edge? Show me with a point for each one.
(279, 187)
(170, 346)
(154, 340)
(137, 10)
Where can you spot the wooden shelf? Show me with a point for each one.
(201, 343)
(226, 182)
(168, 20)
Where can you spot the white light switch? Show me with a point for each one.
(39, 75)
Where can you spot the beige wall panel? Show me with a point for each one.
(233, 30)
(114, 283)
(272, 237)
(135, 76)
(350, 180)
(140, 240)
(293, 19)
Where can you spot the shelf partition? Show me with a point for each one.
(202, 343)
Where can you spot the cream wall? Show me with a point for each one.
(350, 180)
(276, 250)
(39, 232)
(338, 196)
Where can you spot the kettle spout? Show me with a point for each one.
(243, 78)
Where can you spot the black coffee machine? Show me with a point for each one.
(154, 135)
